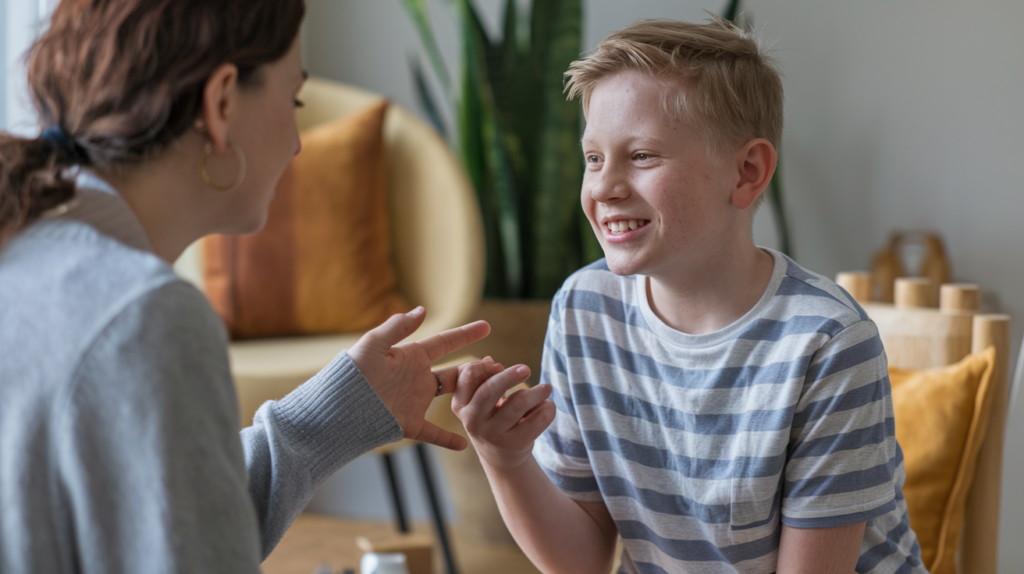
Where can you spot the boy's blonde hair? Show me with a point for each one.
(731, 90)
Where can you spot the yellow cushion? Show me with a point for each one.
(322, 263)
(940, 425)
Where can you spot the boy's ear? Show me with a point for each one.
(755, 163)
(219, 95)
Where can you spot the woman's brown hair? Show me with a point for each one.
(115, 81)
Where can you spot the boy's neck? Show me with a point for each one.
(714, 296)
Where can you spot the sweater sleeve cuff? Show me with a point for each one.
(335, 417)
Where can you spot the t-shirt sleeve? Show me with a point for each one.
(843, 455)
(560, 451)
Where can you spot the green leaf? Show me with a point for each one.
(519, 141)
(425, 98)
(731, 10)
(509, 41)
(417, 10)
(592, 250)
(776, 200)
(556, 247)
(469, 125)
(498, 188)
(500, 168)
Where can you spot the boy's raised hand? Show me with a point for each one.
(503, 429)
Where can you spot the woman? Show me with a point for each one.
(164, 121)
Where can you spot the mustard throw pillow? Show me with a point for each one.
(941, 417)
(322, 263)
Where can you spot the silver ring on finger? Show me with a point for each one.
(440, 387)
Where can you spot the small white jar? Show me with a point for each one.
(390, 563)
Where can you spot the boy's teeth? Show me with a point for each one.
(625, 225)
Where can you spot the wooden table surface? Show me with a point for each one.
(314, 541)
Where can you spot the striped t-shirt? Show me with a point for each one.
(702, 446)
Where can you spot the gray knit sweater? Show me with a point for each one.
(119, 441)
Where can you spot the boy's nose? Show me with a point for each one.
(609, 186)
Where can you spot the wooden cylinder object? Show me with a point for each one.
(857, 283)
(981, 533)
(913, 292)
(959, 297)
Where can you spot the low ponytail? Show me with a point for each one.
(32, 178)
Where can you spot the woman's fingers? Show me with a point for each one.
(435, 435)
(467, 375)
(394, 330)
(449, 378)
(439, 345)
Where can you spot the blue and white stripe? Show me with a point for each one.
(702, 446)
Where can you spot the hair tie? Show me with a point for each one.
(61, 142)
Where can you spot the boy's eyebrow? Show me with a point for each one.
(629, 141)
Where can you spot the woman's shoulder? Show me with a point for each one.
(66, 264)
(63, 285)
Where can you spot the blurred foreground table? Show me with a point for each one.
(314, 541)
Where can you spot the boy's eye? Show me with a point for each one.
(593, 159)
(642, 156)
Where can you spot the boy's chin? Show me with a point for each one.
(622, 267)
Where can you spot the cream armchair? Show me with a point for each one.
(437, 238)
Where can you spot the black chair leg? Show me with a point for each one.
(396, 495)
(435, 506)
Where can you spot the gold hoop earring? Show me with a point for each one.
(207, 150)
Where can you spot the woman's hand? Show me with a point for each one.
(401, 375)
(503, 429)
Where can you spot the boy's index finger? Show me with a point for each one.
(440, 344)
(493, 389)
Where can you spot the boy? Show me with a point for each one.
(714, 404)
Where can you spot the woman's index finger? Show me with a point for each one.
(443, 343)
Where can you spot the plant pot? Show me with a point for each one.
(517, 332)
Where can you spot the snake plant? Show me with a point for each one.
(518, 138)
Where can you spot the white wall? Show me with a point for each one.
(20, 22)
(898, 115)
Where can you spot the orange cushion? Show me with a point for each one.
(940, 425)
(322, 263)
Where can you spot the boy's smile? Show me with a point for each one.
(618, 230)
(658, 203)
